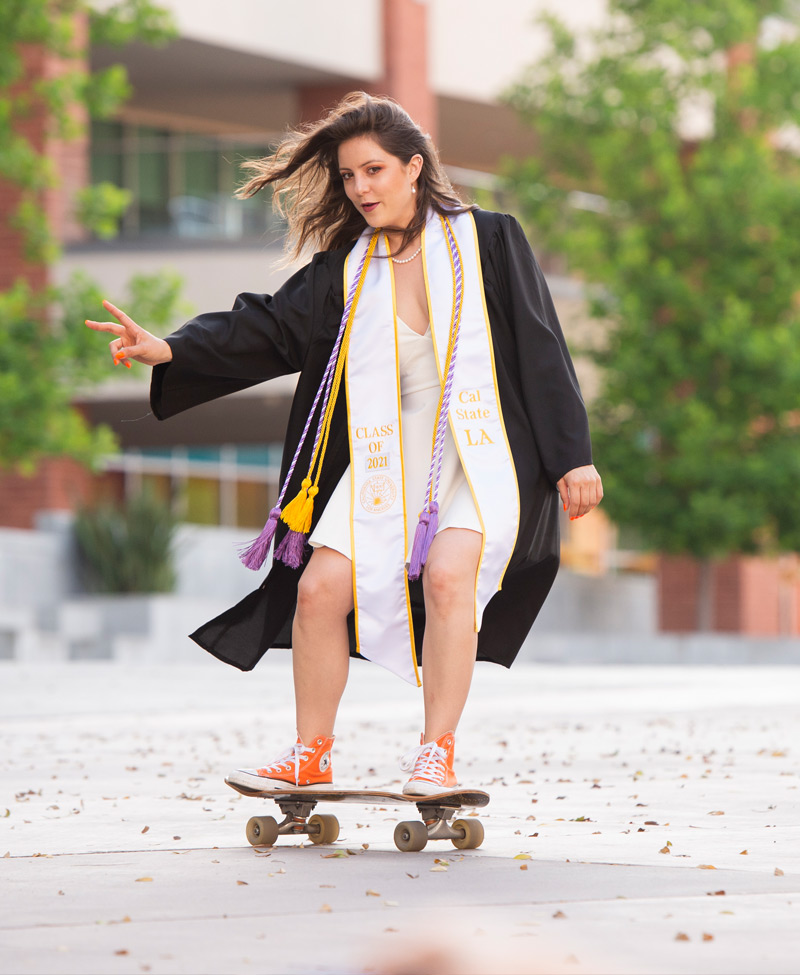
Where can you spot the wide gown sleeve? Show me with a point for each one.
(263, 336)
(550, 389)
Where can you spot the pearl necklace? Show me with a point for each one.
(408, 260)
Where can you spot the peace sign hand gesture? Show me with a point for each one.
(132, 342)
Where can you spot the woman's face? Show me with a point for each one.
(378, 184)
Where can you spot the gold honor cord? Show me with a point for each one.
(298, 513)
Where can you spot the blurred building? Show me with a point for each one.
(221, 93)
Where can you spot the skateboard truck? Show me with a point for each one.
(436, 813)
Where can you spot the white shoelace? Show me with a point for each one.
(428, 761)
(291, 757)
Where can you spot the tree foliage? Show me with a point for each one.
(51, 25)
(45, 353)
(668, 173)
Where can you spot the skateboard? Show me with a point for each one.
(435, 823)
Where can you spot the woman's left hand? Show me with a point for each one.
(581, 490)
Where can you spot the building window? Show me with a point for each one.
(182, 183)
(234, 485)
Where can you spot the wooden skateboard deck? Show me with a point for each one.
(455, 797)
(435, 811)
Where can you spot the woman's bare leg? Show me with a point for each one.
(451, 643)
(320, 645)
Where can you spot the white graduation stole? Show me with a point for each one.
(384, 632)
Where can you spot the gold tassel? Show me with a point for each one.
(306, 512)
(294, 513)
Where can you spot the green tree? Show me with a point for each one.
(689, 247)
(44, 352)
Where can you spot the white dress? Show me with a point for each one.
(419, 397)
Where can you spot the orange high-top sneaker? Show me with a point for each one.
(431, 766)
(307, 766)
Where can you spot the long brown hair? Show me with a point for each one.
(309, 192)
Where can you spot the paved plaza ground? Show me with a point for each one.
(642, 819)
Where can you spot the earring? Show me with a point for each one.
(413, 189)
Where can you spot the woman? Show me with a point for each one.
(432, 482)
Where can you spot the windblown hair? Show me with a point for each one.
(309, 191)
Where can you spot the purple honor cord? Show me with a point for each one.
(429, 517)
(254, 554)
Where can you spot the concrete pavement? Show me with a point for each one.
(643, 819)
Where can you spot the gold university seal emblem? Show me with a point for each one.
(378, 494)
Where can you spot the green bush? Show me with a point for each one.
(129, 548)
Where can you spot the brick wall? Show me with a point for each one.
(750, 595)
(59, 484)
(70, 162)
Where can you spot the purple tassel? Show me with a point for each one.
(291, 550)
(255, 554)
(423, 538)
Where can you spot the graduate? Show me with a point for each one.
(436, 427)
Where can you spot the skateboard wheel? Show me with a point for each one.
(262, 831)
(328, 829)
(410, 837)
(473, 834)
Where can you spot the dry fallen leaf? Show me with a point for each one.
(664, 849)
(559, 914)
(523, 856)
(143, 880)
(439, 869)
(743, 853)
(372, 893)
(717, 812)
(414, 876)
(706, 866)
(122, 951)
(680, 936)
(242, 883)
(707, 936)
(325, 909)
(778, 872)
(523, 866)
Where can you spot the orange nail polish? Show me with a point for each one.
(128, 364)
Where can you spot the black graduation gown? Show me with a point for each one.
(294, 330)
